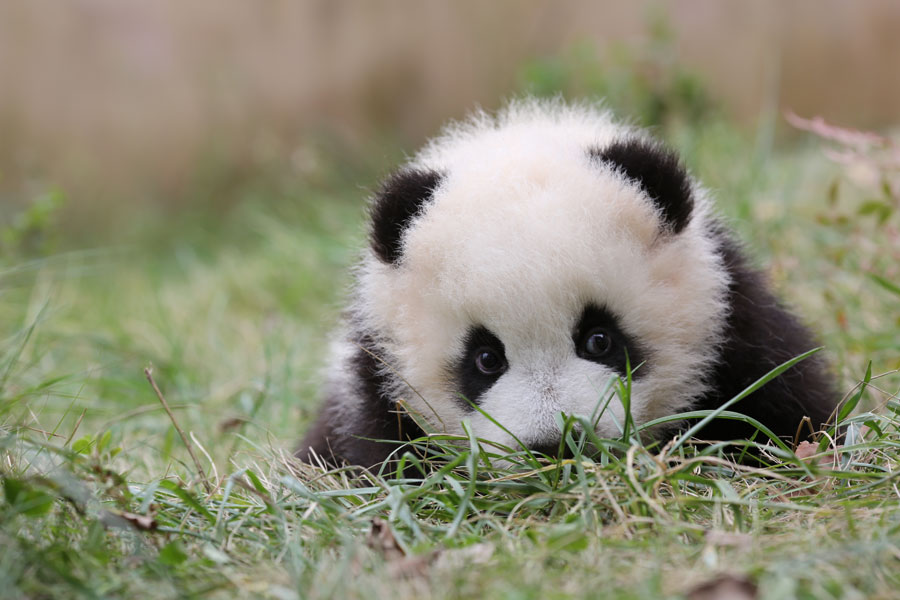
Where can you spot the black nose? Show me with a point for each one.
(551, 449)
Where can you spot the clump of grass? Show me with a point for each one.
(457, 516)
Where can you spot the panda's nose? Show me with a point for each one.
(551, 449)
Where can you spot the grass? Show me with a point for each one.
(102, 499)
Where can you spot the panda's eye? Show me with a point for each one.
(488, 361)
(598, 342)
(600, 338)
(480, 365)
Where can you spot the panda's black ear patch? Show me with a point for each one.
(660, 174)
(400, 198)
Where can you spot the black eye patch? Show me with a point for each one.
(599, 338)
(482, 363)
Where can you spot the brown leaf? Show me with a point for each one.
(410, 566)
(806, 450)
(231, 423)
(725, 587)
(125, 519)
(381, 539)
(401, 565)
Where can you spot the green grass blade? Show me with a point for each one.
(747, 391)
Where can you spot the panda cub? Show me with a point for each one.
(519, 261)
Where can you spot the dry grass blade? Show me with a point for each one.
(148, 373)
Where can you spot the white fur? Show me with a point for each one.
(523, 231)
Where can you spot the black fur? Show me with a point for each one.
(659, 173)
(472, 382)
(337, 437)
(400, 199)
(594, 317)
(760, 335)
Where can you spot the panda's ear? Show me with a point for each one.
(658, 172)
(399, 199)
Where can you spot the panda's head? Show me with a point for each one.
(516, 262)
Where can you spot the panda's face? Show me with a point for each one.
(524, 281)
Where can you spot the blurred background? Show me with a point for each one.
(121, 105)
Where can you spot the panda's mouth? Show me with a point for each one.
(558, 449)
(554, 445)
